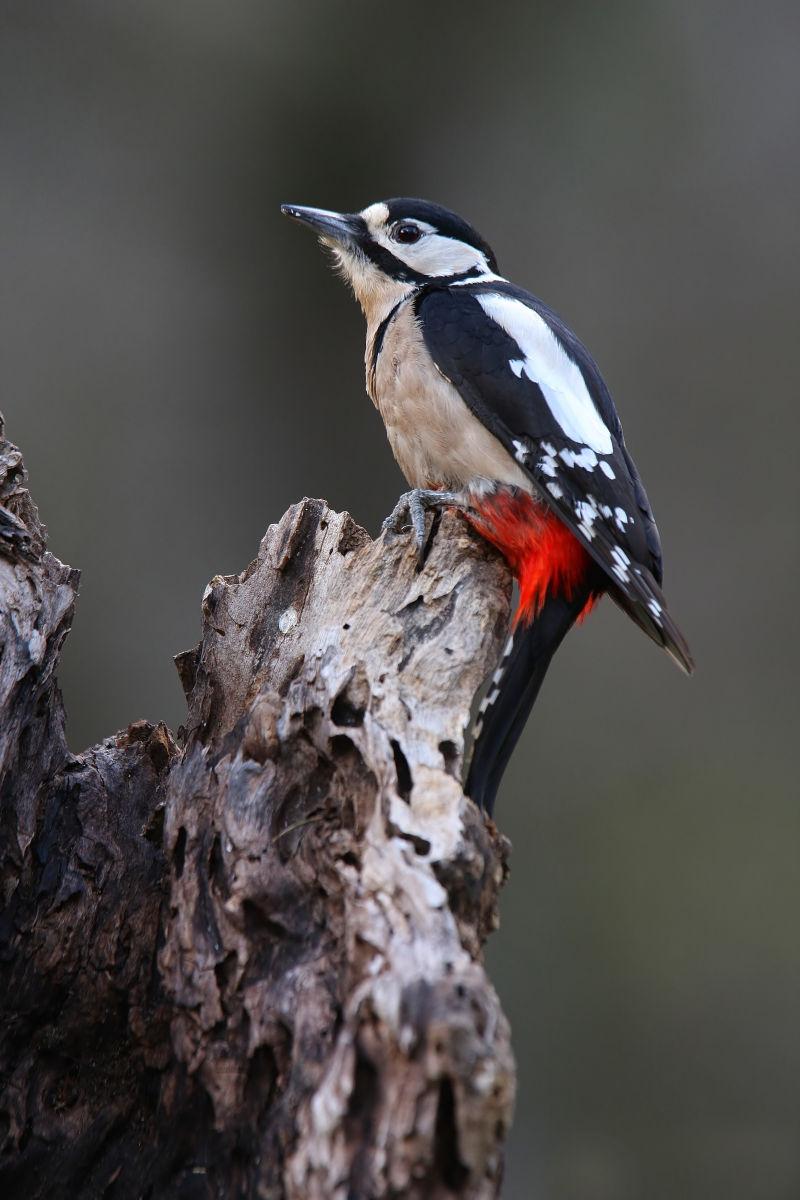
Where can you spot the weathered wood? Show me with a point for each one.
(252, 967)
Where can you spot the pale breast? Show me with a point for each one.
(434, 437)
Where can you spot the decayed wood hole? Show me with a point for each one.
(246, 961)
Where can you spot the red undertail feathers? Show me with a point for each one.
(545, 557)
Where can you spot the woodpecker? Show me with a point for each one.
(493, 406)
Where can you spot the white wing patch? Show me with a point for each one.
(547, 464)
(547, 364)
(656, 611)
(585, 458)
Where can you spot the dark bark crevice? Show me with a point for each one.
(249, 963)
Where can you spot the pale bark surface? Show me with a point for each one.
(250, 965)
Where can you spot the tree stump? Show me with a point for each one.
(249, 963)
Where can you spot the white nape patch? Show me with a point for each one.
(585, 458)
(548, 365)
(517, 366)
(486, 276)
(621, 518)
(520, 451)
(607, 469)
(556, 491)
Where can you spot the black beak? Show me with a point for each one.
(333, 226)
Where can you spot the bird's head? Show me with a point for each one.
(394, 246)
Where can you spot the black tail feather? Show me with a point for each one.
(514, 690)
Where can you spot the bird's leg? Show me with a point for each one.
(412, 507)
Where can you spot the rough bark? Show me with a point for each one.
(251, 966)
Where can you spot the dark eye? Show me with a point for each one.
(406, 232)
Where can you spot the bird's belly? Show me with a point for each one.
(434, 437)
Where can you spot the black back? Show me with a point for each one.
(607, 509)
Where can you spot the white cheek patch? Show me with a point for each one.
(547, 364)
(433, 254)
(436, 255)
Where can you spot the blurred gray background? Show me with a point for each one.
(179, 366)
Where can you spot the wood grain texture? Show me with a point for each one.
(250, 966)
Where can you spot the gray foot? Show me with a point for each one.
(412, 507)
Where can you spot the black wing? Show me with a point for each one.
(529, 380)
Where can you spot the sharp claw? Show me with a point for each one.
(394, 522)
(413, 505)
